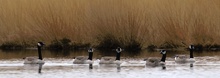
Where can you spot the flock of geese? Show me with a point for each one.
(151, 61)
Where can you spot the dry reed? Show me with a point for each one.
(146, 22)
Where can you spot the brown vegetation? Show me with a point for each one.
(128, 22)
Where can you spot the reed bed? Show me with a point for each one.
(111, 23)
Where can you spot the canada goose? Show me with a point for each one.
(154, 61)
(185, 58)
(35, 60)
(112, 60)
(84, 59)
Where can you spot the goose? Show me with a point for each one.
(112, 60)
(35, 60)
(185, 58)
(84, 59)
(154, 61)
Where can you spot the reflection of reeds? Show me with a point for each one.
(127, 22)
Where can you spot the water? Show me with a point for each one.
(59, 65)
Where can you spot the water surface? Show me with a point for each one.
(59, 65)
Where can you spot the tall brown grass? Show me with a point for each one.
(146, 22)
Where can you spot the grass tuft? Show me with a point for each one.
(108, 42)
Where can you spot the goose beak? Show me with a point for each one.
(145, 59)
(42, 44)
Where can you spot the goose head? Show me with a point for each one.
(90, 49)
(191, 47)
(40, 44)
(163, 52)
(118, 49)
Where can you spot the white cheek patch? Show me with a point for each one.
(163, 52)
(38, 44)
(119, 50)
(191, 47)
(90, 50)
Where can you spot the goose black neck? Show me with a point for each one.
(90, 55)
(191, 53)
(39, 52)
(163, 58)
(118, 55)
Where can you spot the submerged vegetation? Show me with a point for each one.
(131, 24)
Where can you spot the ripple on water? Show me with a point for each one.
(64, 68)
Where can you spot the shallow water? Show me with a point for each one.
(11, 66)
(204, 67)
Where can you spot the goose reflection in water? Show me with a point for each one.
(37, 67)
